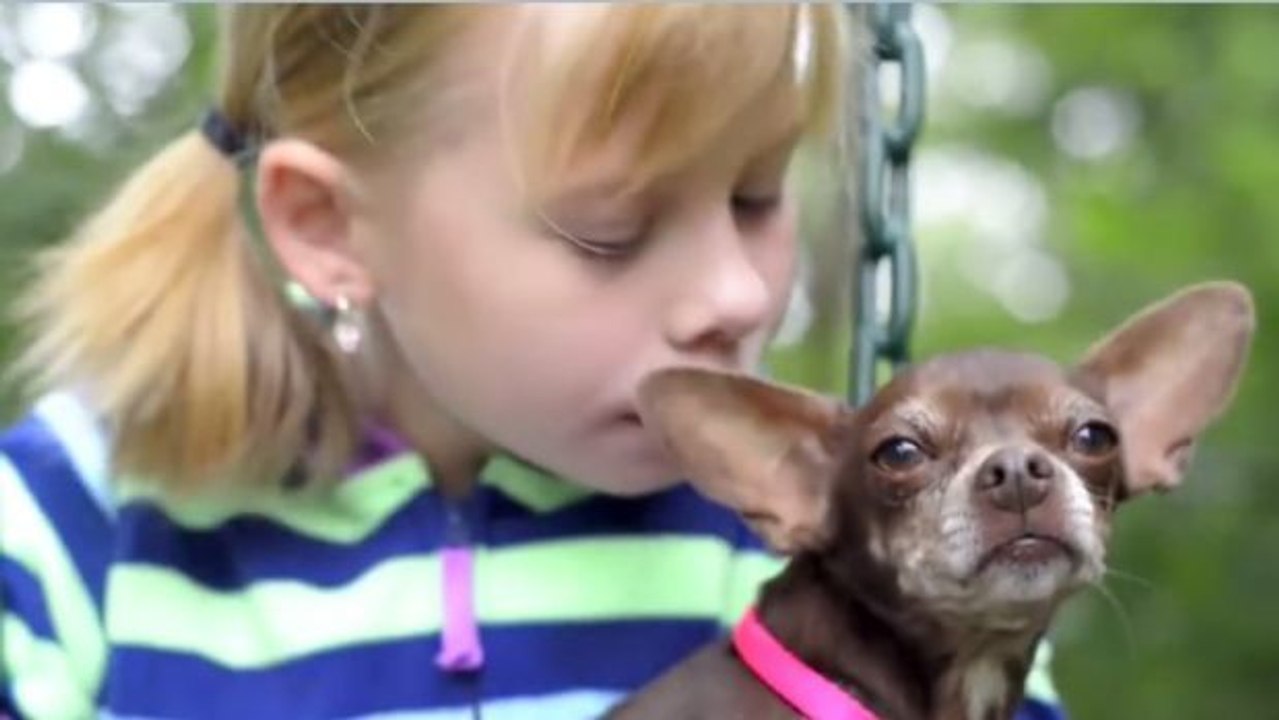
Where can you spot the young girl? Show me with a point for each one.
(230, 502)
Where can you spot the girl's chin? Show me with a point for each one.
(636, 473)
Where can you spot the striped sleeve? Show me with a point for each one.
(1042, 701)
(752, 565)
(54, 540)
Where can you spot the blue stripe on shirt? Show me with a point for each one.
(22, 596)
(250, 548)
(247, 549)
(567, 705)
(679, 510)
(1032, 709)
(8, 708)
(401, 675)
(78, 518)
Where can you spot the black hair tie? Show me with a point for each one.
(221, 134)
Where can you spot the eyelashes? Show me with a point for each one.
(611, 249)
(748, 210)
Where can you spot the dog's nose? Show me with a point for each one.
(1016, 479)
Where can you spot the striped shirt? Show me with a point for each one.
(118, 603)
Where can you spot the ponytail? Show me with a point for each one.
(161, 314)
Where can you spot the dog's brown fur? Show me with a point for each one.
(923, 575)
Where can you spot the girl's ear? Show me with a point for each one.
(306, 210)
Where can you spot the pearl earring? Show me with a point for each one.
(347, 327)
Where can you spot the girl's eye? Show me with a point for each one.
(620, 249)
(612, 241)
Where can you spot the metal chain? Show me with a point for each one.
(885, 199)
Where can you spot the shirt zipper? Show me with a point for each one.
(460, 647)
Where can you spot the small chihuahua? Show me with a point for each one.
(933, 533)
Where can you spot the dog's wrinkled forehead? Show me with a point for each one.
(985, 389)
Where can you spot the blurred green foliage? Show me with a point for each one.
(1183, 629)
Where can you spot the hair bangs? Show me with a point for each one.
(673, 78)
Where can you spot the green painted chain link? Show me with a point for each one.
(885, 199)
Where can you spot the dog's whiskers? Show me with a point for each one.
(1130, 577)
(1113, 601)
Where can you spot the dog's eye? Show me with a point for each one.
(1094, 438)
(898, 454)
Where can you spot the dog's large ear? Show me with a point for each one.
(761, 449)
(1167, 373)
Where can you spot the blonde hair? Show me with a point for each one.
(159, 310)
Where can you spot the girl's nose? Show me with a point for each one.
(725, 296)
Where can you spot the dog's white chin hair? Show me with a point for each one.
(1031, 582)
(1009, 597)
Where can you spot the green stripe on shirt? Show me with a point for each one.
(1039, 683)
(749, 572)
(345, 514)
(50, 683)
(272, 621)
(356, 507)
(27, 538)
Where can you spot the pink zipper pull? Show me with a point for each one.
(460, 648)
(460, 639)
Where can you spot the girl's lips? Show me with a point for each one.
(629, 419)
(623, 417)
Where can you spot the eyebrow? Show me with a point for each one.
(1076, 406)
(620, 188)
(918, 413)
(917, 416)
(592, 200)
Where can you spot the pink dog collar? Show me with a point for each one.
(812, 695)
